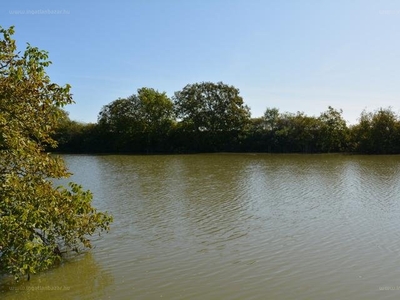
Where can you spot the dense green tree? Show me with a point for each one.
(117, 115)
(333, 132)
(297, 132)
(139, 123)
(118, 123)
(274, 126)
(156, 109)
(72, 136)
(211, 107)
(271, 118)
(214, 112)
(37, 220)
(212, 117)
(377, 132)
(285, 132)
(256, 138)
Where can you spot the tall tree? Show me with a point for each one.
(215, 109)
(140, 122)
(377, 132)
(37, 221)
(116, 121)
(271, 122)
(333, 132)
(271, 118)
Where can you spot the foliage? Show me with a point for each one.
(141, 122)
(214, 113)
(211, 107)
(37, 221)
(75, 137)
(271, 117)
(212, 117)
(286, 132)
(334, 131)
(377, 132)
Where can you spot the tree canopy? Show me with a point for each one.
(212, 107)
(211, 116)
(37, 220)
(146, 123)
(140, 122)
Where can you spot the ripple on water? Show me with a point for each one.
(243, 227)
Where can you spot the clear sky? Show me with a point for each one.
(293, 55)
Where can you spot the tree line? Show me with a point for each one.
(212, 117)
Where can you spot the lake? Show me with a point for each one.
(234, 226)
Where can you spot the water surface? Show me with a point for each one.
(234, 226)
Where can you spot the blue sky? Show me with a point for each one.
(293, 55)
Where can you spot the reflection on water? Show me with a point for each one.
(236, 226)
(78, 278)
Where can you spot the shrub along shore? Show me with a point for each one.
(212, 117)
